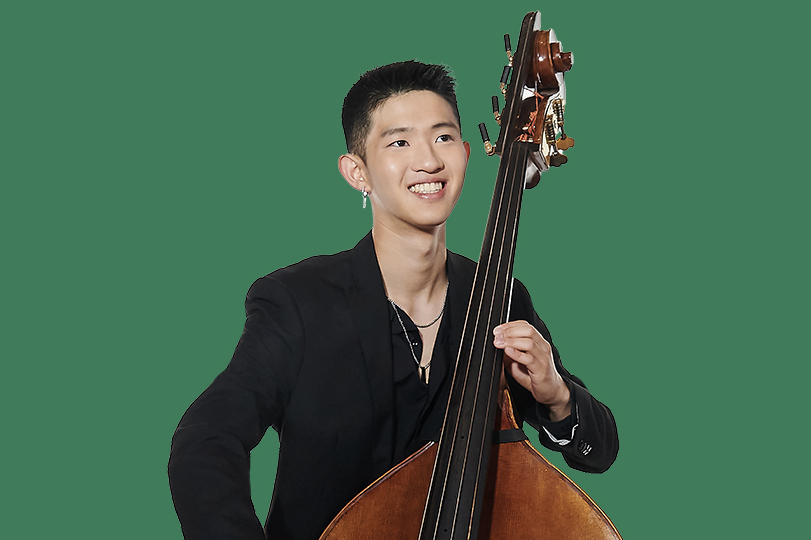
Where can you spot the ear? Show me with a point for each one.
(467, 149)
(353, 169)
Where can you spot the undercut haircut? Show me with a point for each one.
(376, 86)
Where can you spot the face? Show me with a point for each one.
(415, 161)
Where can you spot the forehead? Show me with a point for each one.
(420, 109)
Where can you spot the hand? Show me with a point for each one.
(528, 358)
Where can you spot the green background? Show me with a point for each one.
(157, 157)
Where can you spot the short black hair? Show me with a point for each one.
(376, 86)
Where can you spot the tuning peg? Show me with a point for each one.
(565, 142)
(496, 111)
(488, 147)
(505, 79)
(557, 159)
(508, 48)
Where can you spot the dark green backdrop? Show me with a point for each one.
(157, 157)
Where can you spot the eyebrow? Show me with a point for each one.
(395, 130)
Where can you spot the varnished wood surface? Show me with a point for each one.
(526, 498)
(391, 508)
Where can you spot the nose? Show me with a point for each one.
(428, 160)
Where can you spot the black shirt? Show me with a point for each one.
(419, 407)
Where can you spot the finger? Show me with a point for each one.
(525, 359)
(519, 373)
(514, 328)
(531, 343)
(519, 329)
(521, 343)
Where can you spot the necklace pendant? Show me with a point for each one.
(424, 373)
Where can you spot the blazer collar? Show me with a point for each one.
(369, 308)
(369, 311)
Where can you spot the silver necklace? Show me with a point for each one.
(444, 303)
(397, 309)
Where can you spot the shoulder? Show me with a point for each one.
(462, 261)
(461, 268)
(310, 275)
(521, 301)
(315, 269)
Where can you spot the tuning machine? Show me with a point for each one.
(488, 146)
(565, 142)
(496, 110)
(556, 158)
(505, 79)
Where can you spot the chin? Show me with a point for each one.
(429, 223)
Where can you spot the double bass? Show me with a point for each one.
(483, 480)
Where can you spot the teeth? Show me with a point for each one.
(428, 187)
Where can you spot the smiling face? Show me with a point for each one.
(415, 162)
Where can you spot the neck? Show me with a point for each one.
(413, 269)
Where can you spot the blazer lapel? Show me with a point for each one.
(370, 314)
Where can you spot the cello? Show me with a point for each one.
(483, 480)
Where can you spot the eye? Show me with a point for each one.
(399, 144)
(444, 138)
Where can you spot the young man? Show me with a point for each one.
(348, 356)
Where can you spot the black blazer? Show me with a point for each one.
(315, 363)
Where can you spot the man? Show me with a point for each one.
(348, 356)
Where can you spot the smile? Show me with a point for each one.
(427, 187)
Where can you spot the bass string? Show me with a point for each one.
(454, 435)
(501, 230)
(509, 228)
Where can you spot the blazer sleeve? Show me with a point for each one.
(209, 464)
(594, 443)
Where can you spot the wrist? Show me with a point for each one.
(561, 407)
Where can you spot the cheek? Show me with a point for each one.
(383, 181)
(461, 163)
(388, 176)
(392, 170)
(460, 157)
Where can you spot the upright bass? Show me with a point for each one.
(465, 486)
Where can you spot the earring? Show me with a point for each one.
(365, 194)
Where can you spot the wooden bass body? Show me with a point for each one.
(526, 498)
